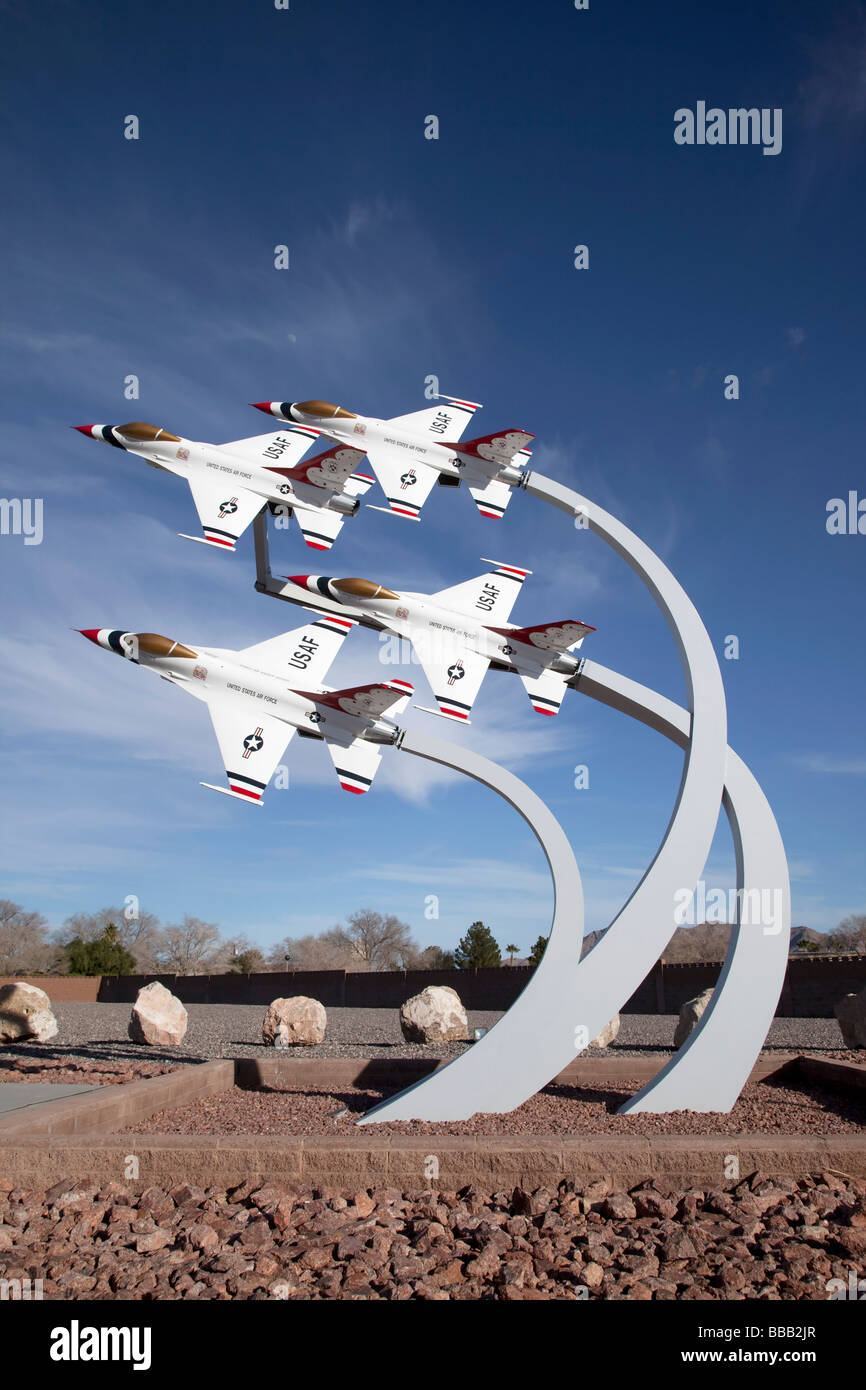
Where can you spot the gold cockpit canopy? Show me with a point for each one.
(362, 588)
(139, 429)
(324, 410)
(155, 645)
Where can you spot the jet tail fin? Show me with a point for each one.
(365, 702)
(500, 449)
(548, 638)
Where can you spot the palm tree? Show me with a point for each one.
(512, 952)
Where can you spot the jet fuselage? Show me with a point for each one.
(212, 671)
(364, 431)
(421, 619)
(191, 459)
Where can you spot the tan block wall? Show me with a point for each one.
(77, 989)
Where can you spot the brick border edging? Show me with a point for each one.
(255, 1072)
(497, 1161)
(116, 1106)
(81, 1148)
(107, 1109)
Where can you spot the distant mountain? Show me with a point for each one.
(709, 942)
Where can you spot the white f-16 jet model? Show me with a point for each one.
(231, 483)
(412, 452)
(256, 705)
(459, 632)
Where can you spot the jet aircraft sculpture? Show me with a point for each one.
(410, 453)
(231, 483)
(459, 632)
(260, 696)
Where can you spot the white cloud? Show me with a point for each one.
(823, 762)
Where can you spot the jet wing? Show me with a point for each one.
(406, 485)
(455, 673)
(305, 651)
(492, 499)
(285, 447)
(447, 420)
(225, 511)
(251, 743)
(491, 595)
(545, 690)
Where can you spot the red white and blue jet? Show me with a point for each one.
(411, 452)
(231, 483)
(458, 633)
(260, 696)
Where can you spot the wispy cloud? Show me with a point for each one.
(823, 762)
(835, 90)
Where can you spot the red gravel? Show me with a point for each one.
(765, 1107)
(87, 1073)
(765, 1237)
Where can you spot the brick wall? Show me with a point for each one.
(812, 986)
(80, 989)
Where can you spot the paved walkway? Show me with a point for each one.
(17, 1095)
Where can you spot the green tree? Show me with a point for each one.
(538, 951)
(477, 949)
(512, 952)
(102, 956)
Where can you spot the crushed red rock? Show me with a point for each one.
(765, 1237)
(70, 1069)
(765, 1107)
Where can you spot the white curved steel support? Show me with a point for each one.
(711, 1068)
(559, 1012)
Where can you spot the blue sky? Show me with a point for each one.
(411, 257)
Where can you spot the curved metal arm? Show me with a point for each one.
(561, 1010)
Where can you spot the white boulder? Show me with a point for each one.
(690, 1016)
(25, 1012)
(295, 1022)
(433, 1016)
(158, 1017)
(607, 1034)
(851, 1013)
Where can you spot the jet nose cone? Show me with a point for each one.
(302, 579)
(262, 405)
(82, 429)
(91, 633)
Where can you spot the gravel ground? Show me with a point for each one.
(764, 1238)
(763, 1108)
(97, 1032)
(84, 1071)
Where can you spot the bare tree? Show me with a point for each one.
(708, 941)
(24, 942)
(377, 942)
(330, 951)
(189, 949)
(849, 936)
